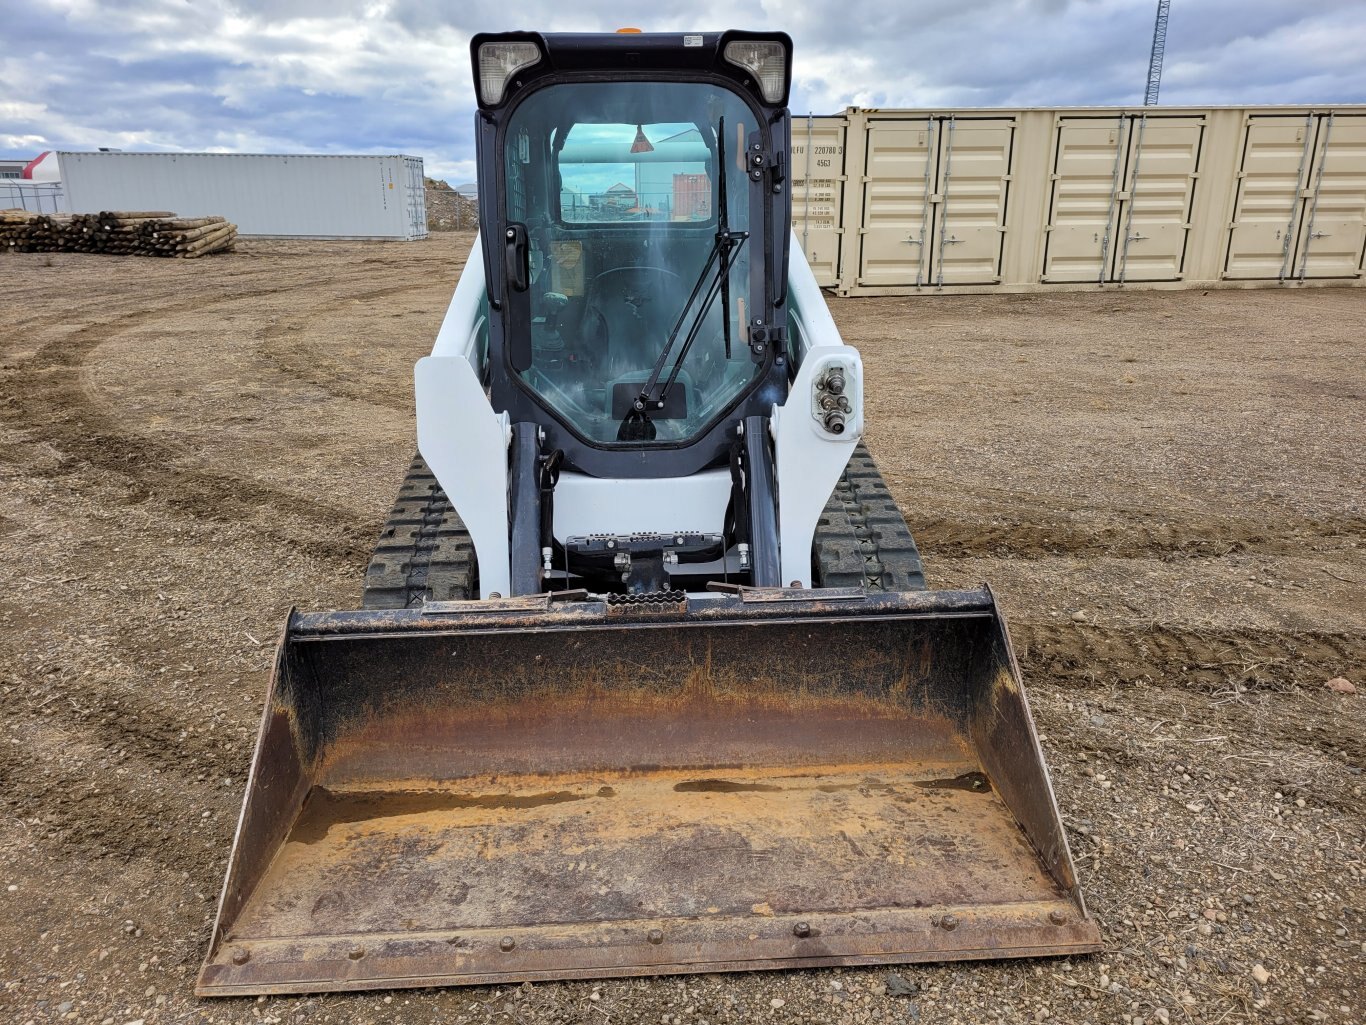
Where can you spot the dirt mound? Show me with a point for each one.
(447, 210)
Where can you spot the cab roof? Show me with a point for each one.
(631, 55)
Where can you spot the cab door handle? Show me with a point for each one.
(517, 257)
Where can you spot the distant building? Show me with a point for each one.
(619, 198)
(572, 203)
(32, 183)
(658, 184)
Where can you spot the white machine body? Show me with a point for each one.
(465, 442)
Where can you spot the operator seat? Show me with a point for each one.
(629, 313)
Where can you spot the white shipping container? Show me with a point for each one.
(270, 194)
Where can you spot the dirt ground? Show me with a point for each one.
(1166, 490)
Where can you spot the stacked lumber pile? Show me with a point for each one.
(185, 237)
(117, 233)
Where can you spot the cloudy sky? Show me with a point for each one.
(384, 76)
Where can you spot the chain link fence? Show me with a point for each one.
(448, 210)
(35, 197)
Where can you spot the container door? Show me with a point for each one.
(417, 198)
(1331, 241)
(818, 192)
(898, 202)
(973, 184)
(1088, 169)
(1154, 208)
(1267, 213)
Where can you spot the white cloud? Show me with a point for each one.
(376, 76)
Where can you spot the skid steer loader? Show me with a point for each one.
(646, 679)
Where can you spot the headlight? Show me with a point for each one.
(498, 62)
(766, 60)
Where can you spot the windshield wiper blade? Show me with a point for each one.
(636, 425)
(719, 284)
(725, 247)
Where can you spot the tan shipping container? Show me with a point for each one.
(818, 191)
(895, 202)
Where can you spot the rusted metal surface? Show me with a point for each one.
(476, 957)
(277, 786)
(544, 791)
(1003, 732)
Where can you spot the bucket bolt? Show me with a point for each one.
(356, 953)
(801, 930)
(949, 923)
(506, 944)
(240, 956)
(656, 936)
(1057, 917)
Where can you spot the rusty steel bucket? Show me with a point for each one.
(526, 789)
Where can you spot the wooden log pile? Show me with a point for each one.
(186, 237)
(116, 233)
(24, 232)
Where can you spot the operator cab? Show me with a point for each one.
(636, 242)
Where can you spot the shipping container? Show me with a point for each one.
(264, 194)
(895, 202)
(692, 197)
(818, 191)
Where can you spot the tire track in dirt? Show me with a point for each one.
(1086, 655)
(124, 717)
(84, 804)
(98, 802)
(107, 305)
(300, 361)
(45, 393)
(107, 768)
(1171, 537)
(1285, 738)
(126, 723)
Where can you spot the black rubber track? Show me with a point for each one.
(424, 552)
(862, 539)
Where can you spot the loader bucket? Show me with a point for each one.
(514, 790)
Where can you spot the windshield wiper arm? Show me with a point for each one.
(636, 425)
(720, 283)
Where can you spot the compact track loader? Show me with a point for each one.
(646, 678)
